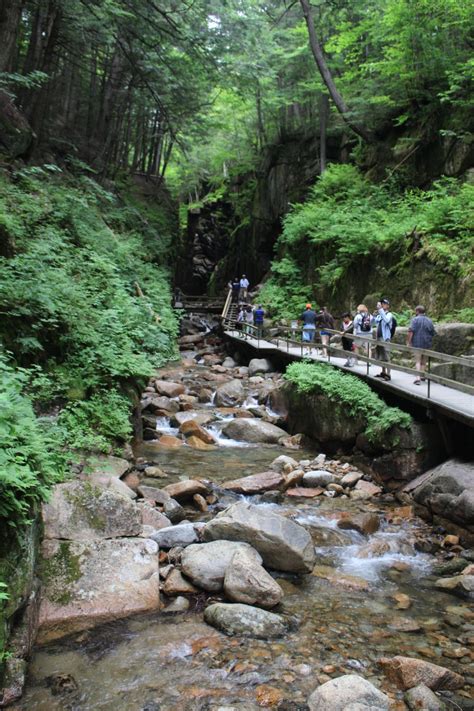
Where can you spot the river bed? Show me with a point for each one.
(372, 597)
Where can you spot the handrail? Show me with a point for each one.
(369, 341)
(227, 303)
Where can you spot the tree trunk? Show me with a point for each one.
(326, 75)
(10, 13)
(323, 122)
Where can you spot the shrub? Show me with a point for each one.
(349, 391)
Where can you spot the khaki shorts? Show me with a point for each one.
(382, 353)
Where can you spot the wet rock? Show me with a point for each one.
(335, 577)
(179, 604)
(132, 480)
(255, 484)
(450, 567)
(13, 681)
(173, 510)
(319, 477)
(364, 523)
(304, 492)
(445, 495)
(403, 601)
(181, 535)
(81, 511)
(260, 365)
(268, 695)
(191, 428)
(367, 488)
(374, 549)
(229, 362)
(282, 543)
(160, 406)
(153, 493)
(169, 389)
(351, 478)
(284, 464)
(155, 473)
(198, 443)
(88, 583)
(348, 692)
(205, 395)
(206, 563)
(170, 441)
(462, 585)
(152, 517)
(293, 479)
(404, 624)
(421, 698)
(293, 442)
(247, 581)
(186, 489)
(176, 584)
(200, 502)
(253, 430)
(245, 621)
(406, 672)
(202, 418)
(230, 394)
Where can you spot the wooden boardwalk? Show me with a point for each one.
(447, 401)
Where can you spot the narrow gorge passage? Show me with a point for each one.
(369, 595)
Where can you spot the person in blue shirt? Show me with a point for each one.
(258, 316)
(309, 317)
(420, 335)
(383, 320)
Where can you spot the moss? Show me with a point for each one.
(355, 396)
(60, 572)
(84, 499)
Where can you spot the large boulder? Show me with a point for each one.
(420, 698)
(201, 418)
(80, 510)
(462, 585)
(282, 543)
(89, 583)
(230, 394)
(253, 430)
(319, 477)
(169, 389)
(445, 496)
(260, 365)
(160, 405)
(247, 581)
(206, 563)
(245, 621)
(451, 338)
(349, 692)
(256, 483)
(406, 672)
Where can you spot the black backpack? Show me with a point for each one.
(365, 323)
(393, 326)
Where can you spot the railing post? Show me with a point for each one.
(368, 356)
(429, 379)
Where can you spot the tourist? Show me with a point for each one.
(308, 317)
(249, 319)
(244, 285)
(241, 318)
(258, 316)
(384, 320)
(325, 321)
(347, 345)
(362, 327)
(420, 335)
(235, 290)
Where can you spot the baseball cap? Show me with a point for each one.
(385, 301)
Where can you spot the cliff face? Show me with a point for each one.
(237, 233)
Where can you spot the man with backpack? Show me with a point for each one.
(386, 325)
(420, 335)
(362, 327)
(259, 315)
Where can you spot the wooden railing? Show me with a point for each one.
(285, 339)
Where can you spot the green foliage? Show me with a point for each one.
(29, 464)
(349, 391)
(460, 316)
(70, 299)
(347, 218)
(285, 293)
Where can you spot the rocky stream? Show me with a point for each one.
(261, 573)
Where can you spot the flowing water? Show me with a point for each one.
(372, 597)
